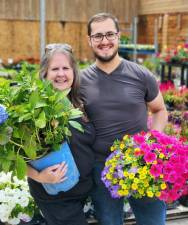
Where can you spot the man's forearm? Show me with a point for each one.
(159, 120)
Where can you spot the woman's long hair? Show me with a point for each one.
(65, 49)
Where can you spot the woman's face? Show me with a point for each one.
(59, 72)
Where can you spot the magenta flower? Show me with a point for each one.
(145, 147)
(150, 157)
(139, 139)
(172, 177)
(164, 156)
(156, 170)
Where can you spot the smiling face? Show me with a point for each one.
(105, 50)
(60, 72)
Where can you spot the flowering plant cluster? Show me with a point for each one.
(36, 120)
(178, 54)
(174, 97)
(178, 125)
(150, 164)
(3, 114)
(16, 204)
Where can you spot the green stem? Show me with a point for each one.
(36, 131)
(37, 134)
(21, 146)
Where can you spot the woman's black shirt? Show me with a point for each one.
(81, 148)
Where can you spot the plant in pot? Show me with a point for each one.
(178, 101)
(35, 127)
(185, 96)
(169, 99)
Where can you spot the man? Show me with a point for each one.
(117, 94)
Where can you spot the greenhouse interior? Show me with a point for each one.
(57, 59)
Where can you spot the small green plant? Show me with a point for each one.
(84, 64)
(169, 97)
(152, 64)
(38, 120)
(124, 39)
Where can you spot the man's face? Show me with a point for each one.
(105, 48)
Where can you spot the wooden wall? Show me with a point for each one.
(172, 29)
(66, 22)
(67, 10)
(172, 20)
(146, 7)
(20, 39)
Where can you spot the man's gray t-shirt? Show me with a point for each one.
(116, 102)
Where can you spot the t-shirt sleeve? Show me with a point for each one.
(152, 88)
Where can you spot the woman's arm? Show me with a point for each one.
(52, 174)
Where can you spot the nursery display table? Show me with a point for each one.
(183, 74)
(130, 49)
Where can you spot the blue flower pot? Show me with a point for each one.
(62, 155)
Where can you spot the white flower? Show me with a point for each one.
(14, 221)
(14, 198)
(5, 178)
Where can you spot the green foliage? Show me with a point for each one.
(124, 39)
(152, 64)
(39, 119)
(84, 64)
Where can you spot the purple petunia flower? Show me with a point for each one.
(133, 170)
(3, 114)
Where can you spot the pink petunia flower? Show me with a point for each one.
(150, 157)
(156, 170)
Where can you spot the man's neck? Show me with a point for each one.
(108, 67)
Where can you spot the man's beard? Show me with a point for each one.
(106, 59)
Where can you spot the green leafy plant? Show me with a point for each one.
(38, 120)
(124, 39)
(169, 96)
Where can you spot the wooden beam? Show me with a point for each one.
(165, 32)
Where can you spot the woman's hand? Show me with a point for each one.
(53, 174)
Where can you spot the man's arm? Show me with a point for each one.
(159, 113)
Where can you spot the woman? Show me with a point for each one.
(65, 208)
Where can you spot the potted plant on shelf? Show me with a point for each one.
(185, 96)
(177, 54)
(169, 99)
(34, 126)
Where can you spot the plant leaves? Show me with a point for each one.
(75, 113)
(76, 125)
(41, 121)
(21, 132)
(30, 147)
(21, 167)
(6, 165)
(33, 99)
(5, 135)
(66, 131)
(25, 117)
(62, 94)
(40, 104)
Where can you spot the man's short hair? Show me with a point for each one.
(102, 17)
